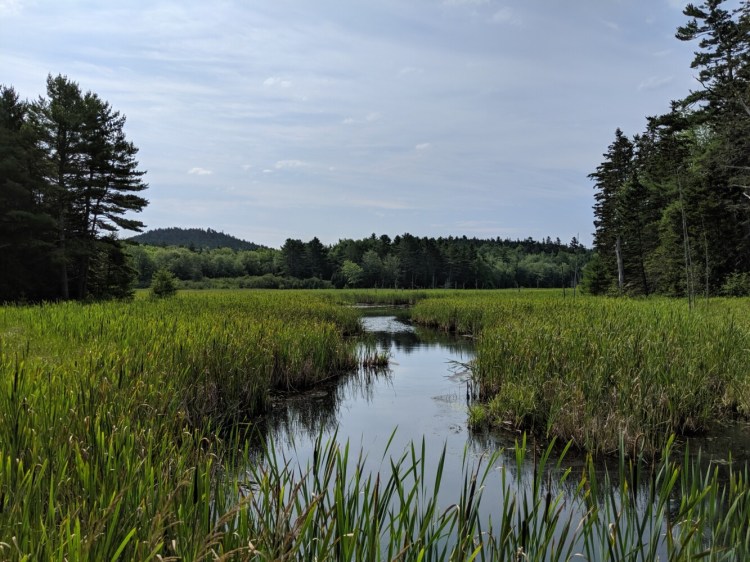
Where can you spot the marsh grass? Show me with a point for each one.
(123, 427)
(593, 370)
(109, 412)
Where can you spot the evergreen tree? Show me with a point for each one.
(610, 179)
(26, 227)
(722, 108)
(69, 176)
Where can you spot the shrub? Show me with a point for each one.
(736, 285)
(163, 284)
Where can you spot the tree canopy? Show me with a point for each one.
(406, 261)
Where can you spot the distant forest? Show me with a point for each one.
(193, 238)
(405, 261)
(672, 211)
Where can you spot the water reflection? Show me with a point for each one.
(305, 415)
(391, 332)
(422, 397)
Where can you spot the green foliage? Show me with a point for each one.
(595, 279)
(597, 371)
(145, 389)
(153, 459)
(163, 284)
(27, 231)
(69, 176)
(412, 262)
(352, 273)
(671, 210)
(736, 285)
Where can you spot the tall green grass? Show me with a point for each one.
(593, 370)
(123, 436)
(110, 412)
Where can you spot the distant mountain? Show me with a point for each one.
(192, 238)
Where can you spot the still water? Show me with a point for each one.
(423, 396)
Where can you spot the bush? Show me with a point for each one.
(163, 284)
(736, 285)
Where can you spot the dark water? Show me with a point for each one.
(422, 395)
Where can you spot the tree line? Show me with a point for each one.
(672, 204)
(68, 175)
(405, 261)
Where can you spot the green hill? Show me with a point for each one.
(192, 238)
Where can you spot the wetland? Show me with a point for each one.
(125, 428)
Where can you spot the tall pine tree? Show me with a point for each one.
(94, 181)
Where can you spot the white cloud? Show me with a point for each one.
(611, 25)
(373, 116)
(423, 146)
(272, 81)
(247, 166)
(289, 164)
(10, 7)
(654, 83)
(348, 121)
(503, 15)
(200, 172)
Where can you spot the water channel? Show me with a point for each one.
(421, 396)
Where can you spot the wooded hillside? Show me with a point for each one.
(192, 238)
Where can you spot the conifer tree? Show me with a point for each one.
(93, 181)
(610, 179)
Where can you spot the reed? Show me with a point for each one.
(107, 411)
(593, 370)
(124, 434)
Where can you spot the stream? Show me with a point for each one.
(422, 395)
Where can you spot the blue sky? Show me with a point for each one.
(277, 119)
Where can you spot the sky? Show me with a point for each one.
(276, 119)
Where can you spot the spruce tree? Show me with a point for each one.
(610, 179)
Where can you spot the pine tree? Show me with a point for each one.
(722, 108)
(26, 228)
(93, 181)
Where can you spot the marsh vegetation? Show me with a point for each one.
(126, 431)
